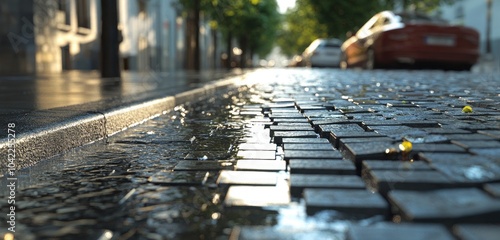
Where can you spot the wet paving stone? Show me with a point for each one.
(179, 178)
(303, 154)
(359, 151)
(261, 165)
(305, 146)
(354, 203)
(191, 165)
(285, 233)
(398, 231)
(493, 189)
(470, 137)
(397, 132)
(491, 153)
(322, 166)
(298, 182)
(257, 146)
(257, 154)
(476, 231)
(384, 181)
(342, 142)
(281, 121)
(207, 155)
(305, 140)
(437, 148)
(339, 129)
(476, 144)
(280, 135)
(395, 165)
(431, 157)
(247, 178)
(256, 196)
(447, 206)
(336, 137)
(474, 171)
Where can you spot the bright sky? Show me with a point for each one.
(284, 4)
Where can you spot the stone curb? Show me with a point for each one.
(42, 143)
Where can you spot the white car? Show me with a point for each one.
(323, 52)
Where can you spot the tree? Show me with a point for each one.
(253, 23)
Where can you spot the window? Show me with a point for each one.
(83, 14)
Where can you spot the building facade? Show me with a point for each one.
(473, 13)
(57, 35)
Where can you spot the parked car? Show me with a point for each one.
(390, 39)
(323, 52)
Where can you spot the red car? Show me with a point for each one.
(390, 39)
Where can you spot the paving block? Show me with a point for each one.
(344, 141)
(261, 165)
(298, 182)
(476, 231)
(256, 196)
(326, 130)
(285, 127)
(437, 148)
(305, 140)
(304, 146)
(356, 152)
(397, 132)
(283, 115)
(368, 165)
(190, 165)
(445, 131)
(303, 154)
(468, 144)
(446, 206)
(490, 133)
(207, 155)
(471, 137)
(354, 203)
(421, 124)
(279, 121)
(491, 153)
(336, 119)
(474, 170)
(256, 178)
(257, 146)
(437, 157)
(427, 138)
(284, 232)
(280, 135)
(493, 189)
(257, 154)
(337, 136)
(384, 181)
(182, 178)
(392, 231)
(322, 166)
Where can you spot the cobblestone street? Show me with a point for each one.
(286, 154)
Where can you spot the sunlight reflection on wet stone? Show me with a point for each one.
(256, 196)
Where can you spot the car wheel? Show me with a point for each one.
(370, 59)
(343, 62)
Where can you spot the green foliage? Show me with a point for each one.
(257, 21)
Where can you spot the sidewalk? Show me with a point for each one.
(54, 113)
(288, 154)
